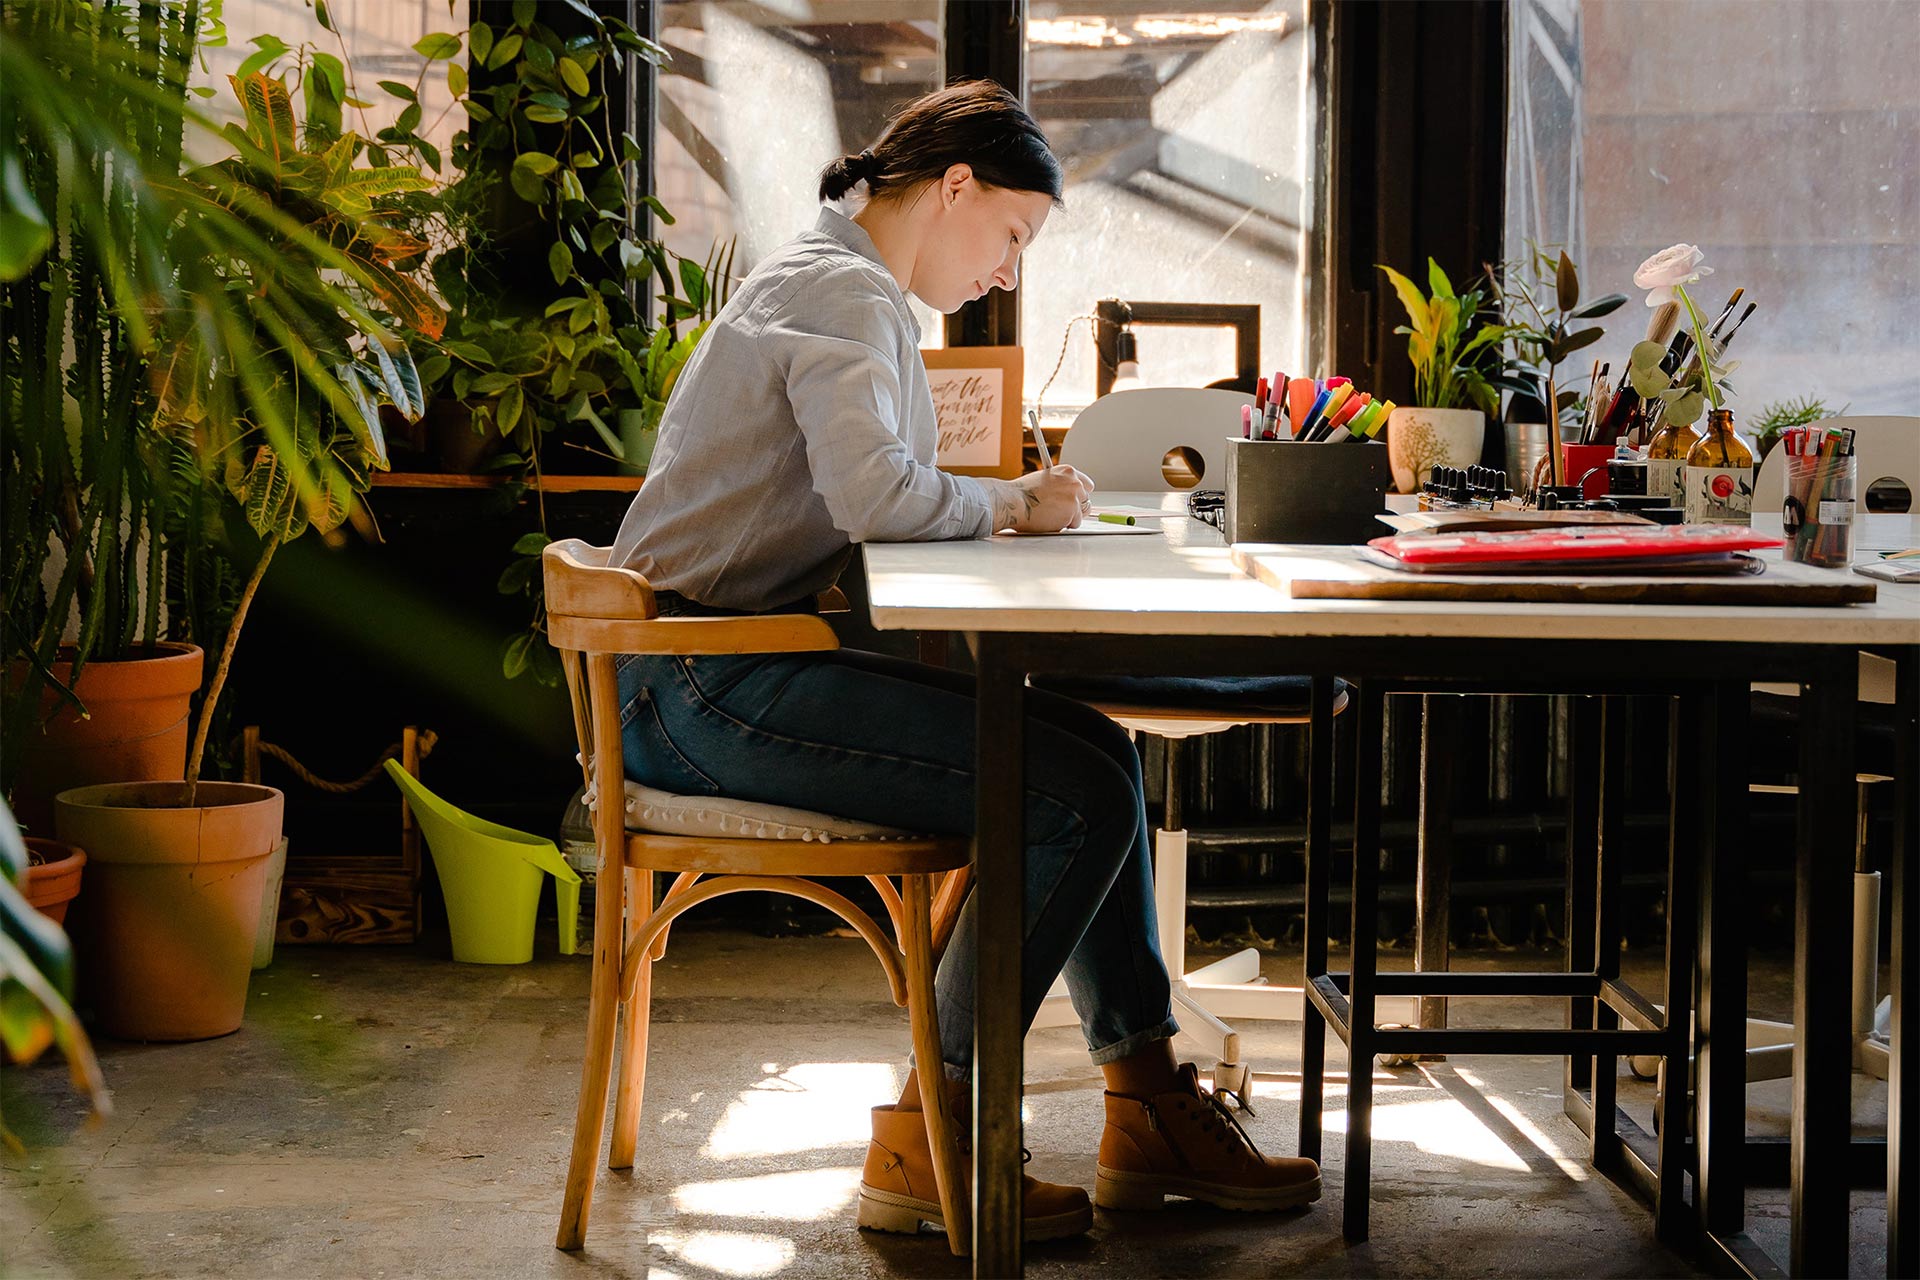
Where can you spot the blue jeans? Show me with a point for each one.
(882, 740)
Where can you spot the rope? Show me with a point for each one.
(424, 742)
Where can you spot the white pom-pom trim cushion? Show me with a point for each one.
(662, 812)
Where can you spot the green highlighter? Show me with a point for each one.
(1110, 518)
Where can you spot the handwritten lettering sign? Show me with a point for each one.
(976, 397)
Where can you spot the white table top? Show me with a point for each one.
(1183, 582)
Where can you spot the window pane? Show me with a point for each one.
(1781, 136)
(759, 97)
(1189, 135)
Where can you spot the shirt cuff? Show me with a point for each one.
(980, 497)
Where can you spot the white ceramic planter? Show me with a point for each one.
(1418, 440)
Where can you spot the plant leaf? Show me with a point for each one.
(269, 113)
(504, 51)
(480, 42)
(1566, 283)
(1601, 307)
(560, 261)
(1437, 280)
(1410, 299)
(24, 230)
(575, 76)
(436, 46)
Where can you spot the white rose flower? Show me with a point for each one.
(1676, 264)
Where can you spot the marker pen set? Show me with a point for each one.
(1310, 411)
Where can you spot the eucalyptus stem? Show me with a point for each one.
(1700, 343)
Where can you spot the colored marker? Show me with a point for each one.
(1378, 426)
(1246, 422)
(1260, 394)
(1109, 517)
(1338, 382)
(1313, 415)
(1300, 394)
(1351, 409)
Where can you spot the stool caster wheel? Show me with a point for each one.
(1235, 1078)
(1396, 1059)
(1644, 1066)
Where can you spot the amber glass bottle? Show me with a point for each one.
(1719, 474)
(1667, 460)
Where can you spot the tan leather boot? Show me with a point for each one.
(897, 1190)
(1187, 1143)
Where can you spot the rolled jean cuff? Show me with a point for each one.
(1134, 1043)
(959, 1072)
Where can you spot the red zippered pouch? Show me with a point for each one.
(1551, 545)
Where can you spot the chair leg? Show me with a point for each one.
(916, 944)
(609, 947)
(596, 1069)
(634, 1013)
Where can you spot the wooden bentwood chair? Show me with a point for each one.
(596, 612)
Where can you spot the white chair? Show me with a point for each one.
(1888, 449)
(1130, 441)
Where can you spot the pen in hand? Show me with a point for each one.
(1039, 440)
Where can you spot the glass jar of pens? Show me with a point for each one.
(1817, 511)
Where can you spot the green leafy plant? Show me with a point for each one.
(1452, 361)
(1776, 417)
(294, 461)
(111, 261)
(1539, 300)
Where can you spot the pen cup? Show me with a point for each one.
(1289, 491)
(1588, 461)
(1817, 513)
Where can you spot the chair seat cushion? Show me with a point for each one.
(663, 813)
(1252, 695)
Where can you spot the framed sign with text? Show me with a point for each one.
(976, 396)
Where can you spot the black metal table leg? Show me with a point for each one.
(1903, 1067)
(1720, 1023)
(1605, 764)
(1583, 826)
(1690, 774)
(1433, 874)
(1000, 884)
(1313, 1027)
(1358, 1172)
(1823, 925)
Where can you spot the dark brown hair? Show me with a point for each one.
(975, 123)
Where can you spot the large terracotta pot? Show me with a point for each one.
(53, 877)
(165, 930)
(135, 729)
(1418, 440)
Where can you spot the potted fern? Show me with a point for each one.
(1452, 353)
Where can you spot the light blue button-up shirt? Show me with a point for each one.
(803, 424)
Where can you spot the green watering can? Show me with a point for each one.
(491, 877)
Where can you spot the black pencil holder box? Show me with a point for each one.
(1286, 491)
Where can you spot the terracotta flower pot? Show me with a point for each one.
(53, 876)
(165, 930)
(135, 729)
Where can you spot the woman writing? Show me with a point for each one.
(803, 425)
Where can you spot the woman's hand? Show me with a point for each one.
(1047, 501)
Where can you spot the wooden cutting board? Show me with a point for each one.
(1783, 583)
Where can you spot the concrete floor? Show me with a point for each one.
(389, 1113)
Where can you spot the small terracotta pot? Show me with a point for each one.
(165, 931)
(135, 729)
(53, 876)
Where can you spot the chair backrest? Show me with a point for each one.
(1888, 448)
(1122, 440)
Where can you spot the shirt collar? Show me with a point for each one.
(843, 230)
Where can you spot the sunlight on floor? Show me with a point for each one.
(1438, 1126)
(804, 1195)
(726, 1253)
(1569, 1164)
(807, 1106)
